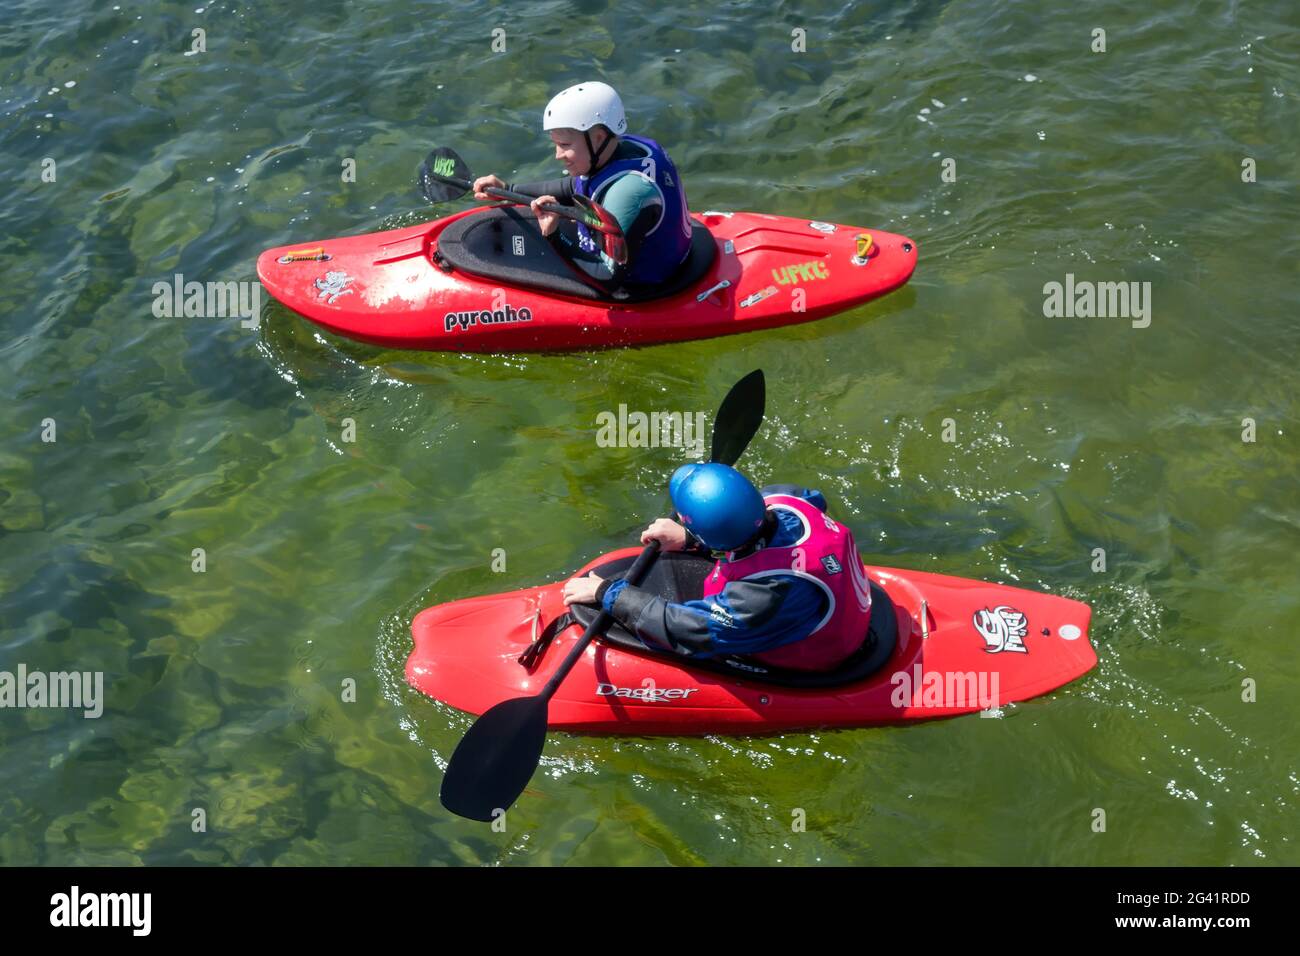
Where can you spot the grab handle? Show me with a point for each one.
(724, 284)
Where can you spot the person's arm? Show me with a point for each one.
(747, 617)
(561, 189)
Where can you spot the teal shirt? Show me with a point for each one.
(624, 199)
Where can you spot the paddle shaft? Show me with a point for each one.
(598, 627)
(527, 200)
(524, 199)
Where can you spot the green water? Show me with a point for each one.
(224, 687)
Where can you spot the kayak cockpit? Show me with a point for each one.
(503, 243)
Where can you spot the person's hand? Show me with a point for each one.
(670, 535)
(582, 590)
(484, 182)
(546, 221)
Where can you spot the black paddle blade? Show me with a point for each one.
(444, 176)
(739, 416)
(494, 761)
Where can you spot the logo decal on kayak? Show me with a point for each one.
(801, 272)
(758, 296)
(826, 227)
(332, 285)
(650, 693)
(507, 313)
(1002, 628)
(830, 564)
(517, 245)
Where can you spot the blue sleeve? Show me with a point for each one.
(814, 498)
(747, 617)
(611, 595)
(740, 622)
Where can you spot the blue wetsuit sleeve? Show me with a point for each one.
(814, 498)
(747, 617)
(611, 594)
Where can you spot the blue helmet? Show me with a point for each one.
(718, 504)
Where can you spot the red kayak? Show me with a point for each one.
(485, 280)
(939, 646)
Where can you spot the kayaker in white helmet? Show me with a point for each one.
(631, 176)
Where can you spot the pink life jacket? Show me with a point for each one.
(826, 556)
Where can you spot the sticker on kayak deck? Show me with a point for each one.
(831, 565)
(1069, 632)
(801, 272)
(304, 255)
(507, 313)
(1002, 628)
(332, 285)
(826, 227)
(517, 245)
(651, 694)
(758, 296)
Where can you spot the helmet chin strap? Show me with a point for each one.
(595, 157)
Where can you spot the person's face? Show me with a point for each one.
(571, 149)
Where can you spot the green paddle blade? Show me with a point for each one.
(444, 176)
(494, 761)
(739, 416)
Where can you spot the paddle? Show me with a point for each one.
(444, 176)
(495, 760)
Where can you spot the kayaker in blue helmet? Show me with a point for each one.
(789, 590)
(631, 176)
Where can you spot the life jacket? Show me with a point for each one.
(668, 242)
(826, 556)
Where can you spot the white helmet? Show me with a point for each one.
(583, 106)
